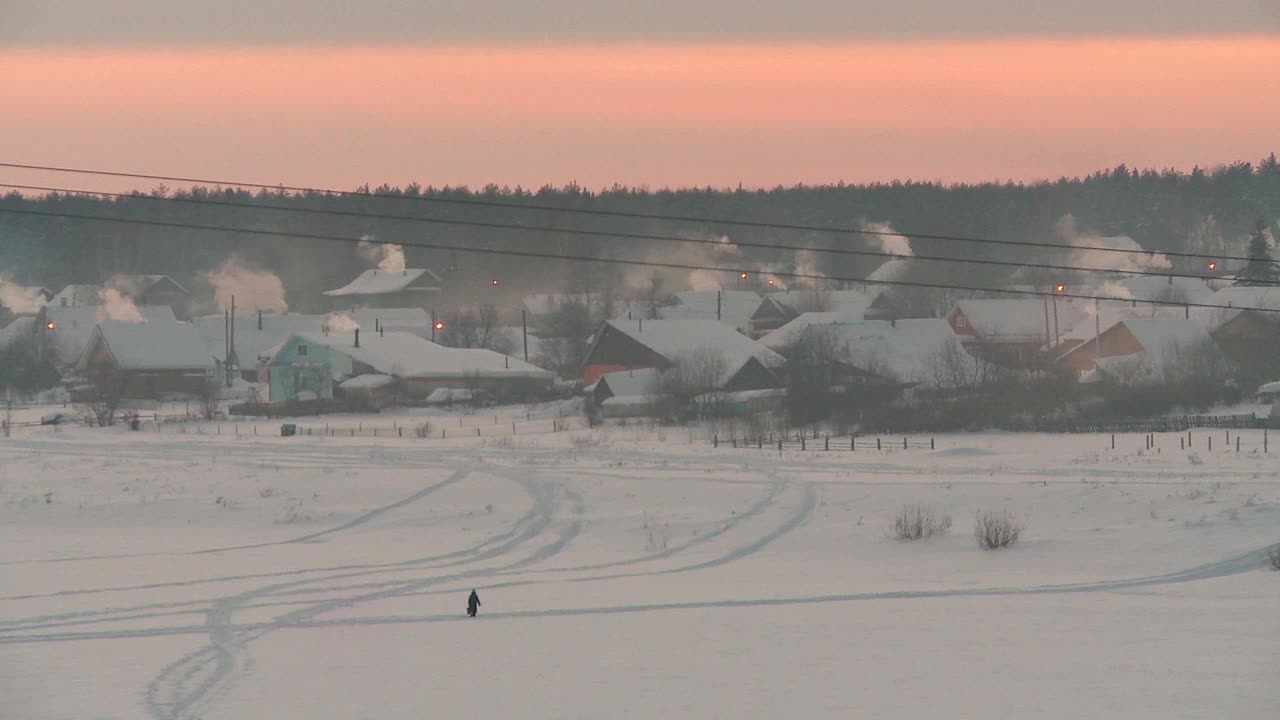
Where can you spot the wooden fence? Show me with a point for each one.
(811, 441)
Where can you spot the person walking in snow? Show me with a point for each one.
(473, 604)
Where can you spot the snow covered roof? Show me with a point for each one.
(674, 338)
(132, 286)
(1163, 341)
(153, 345)
(409, 356)
(790, 333)
(367, 382)
(893, 270)
(1158, 335)
(76, 295)
(1181, 289)
(253, 343)
(73, 326)
(854, 304)
(631, 383)
(909, 349)
(1001, 319)
(735, 306)
(1269, 388)
(382, 282)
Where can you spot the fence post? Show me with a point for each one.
(853, 442)
(827, 443)
(877, 443)
(477, 432)
(760, 442)
(779, 445)
(1264, 439)
(715, 441)
(1237, 442)
(513, 427)
(930, 443)
(802, 441)
(1113, 441)
(1210, 443)
(904, 443)
(400, 430)
(1188, 439)
(1182, 443)
(255, 429)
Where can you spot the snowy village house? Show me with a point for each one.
(146, 360)
(391, 365)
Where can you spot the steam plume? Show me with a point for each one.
(1098, 256)
(253, 289)
(115, 305)
(340, 322)
(17, 298)
(387, 256)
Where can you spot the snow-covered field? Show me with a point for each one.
(631, 573)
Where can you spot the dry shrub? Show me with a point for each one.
(917, 522)
(997, 529)
(1273, 557)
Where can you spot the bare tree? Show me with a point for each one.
(700, 373)
(461, 329)
(209, 397)
(100, 399)
(653, 296)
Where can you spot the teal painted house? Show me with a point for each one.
(303, 369)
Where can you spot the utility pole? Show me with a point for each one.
(524, 331)
(231, 341)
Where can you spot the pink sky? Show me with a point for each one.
(694, 114)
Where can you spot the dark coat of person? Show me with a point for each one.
(473, 603)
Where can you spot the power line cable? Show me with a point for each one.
(622, 213)
(613, 261)
(618, 234)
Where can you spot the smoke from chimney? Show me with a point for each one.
(254, 290)
(117, 306)
(387, 256)
(17, 299)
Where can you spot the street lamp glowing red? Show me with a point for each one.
(439, 325)
(770, 281)
(50, 325)
(495, 283)
(1059, 287)
(1213, 266)
(742, 276)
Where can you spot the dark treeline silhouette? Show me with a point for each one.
(1210, 211)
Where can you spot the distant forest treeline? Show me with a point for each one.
(1210, 212)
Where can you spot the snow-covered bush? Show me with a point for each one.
(1273, 557)
(916, 522)
(995, 530)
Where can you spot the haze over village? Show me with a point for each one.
(688, 360)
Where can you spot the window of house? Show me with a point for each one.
(302, 349)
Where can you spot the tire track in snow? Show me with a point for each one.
(212, 667)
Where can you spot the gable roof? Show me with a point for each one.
(673, 338)
(735, 306)
(1158, 335)
(156, 345)
(1008, 319)
(631, 383)
(791, 332)
(909, 349)
(73, 326)
(383, 282)
(409, 356)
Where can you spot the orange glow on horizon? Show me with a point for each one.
(679, 114)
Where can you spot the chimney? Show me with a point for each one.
(259, 320)
(357, 337)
